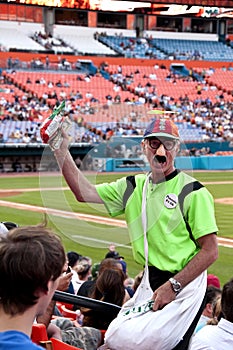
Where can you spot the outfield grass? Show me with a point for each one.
(92, 239)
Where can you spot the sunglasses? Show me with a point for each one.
(168, 144)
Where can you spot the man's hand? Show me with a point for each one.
(64, 281)
(163, 296)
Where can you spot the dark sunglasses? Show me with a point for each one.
(168, 144)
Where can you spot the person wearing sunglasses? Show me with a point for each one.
(180, 222)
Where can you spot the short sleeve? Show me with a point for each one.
(112, 195)
(199, 212)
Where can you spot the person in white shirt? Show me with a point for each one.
(218, 337)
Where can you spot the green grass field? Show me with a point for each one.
(92, 239)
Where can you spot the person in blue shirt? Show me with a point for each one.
(31, 262)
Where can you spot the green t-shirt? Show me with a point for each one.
(171, 246)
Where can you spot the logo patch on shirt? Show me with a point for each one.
(171, 200)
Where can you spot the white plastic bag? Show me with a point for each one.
(137, 327)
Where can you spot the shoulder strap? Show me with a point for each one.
(131, 184)
(190, 187)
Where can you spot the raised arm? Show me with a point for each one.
(83, 190)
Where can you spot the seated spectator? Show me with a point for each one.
(221, 336)
(212, 294)
(113, 254)
(85, 338)
(87, 287)
(73, 259)
(109, 287)
(83, 269)
(26, 291)
(217, 313)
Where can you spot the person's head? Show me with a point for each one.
(109, 263)
(226, 301)
(83, 268)
(217, 313)
(110, 286)
(112, 247)
(31, 261)
(160, 145)
(114, 255)
(212, 294)
(73, 258)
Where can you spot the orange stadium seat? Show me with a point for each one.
(39, 336)
(39, 333)
(59, 345)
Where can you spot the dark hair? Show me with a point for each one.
(226, 301)
(109, 263)
(109, 287)
(30, 257)
(73, 257)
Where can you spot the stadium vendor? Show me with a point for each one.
(181, 226)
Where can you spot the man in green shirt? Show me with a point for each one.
(174, 211)
(181, 227)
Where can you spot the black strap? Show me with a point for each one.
(131, 184)
(190, 187)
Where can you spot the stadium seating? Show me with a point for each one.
(59, 345)
(184, 49)
(162, 48)
(78, 37)
(15, 39)
(39, 336)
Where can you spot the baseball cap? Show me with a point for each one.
(113, 255)
(162, 127)
(213, 280)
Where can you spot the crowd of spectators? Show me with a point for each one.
(212, 119)
(48, 41)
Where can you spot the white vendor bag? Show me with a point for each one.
(137, 327)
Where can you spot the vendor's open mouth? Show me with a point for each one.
(160, 159)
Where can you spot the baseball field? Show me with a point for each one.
(87, 228)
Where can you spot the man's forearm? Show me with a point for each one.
(83, 190)
(206, 256)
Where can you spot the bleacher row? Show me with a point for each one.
(218, 83)
(19, 36)
(103, 112)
